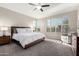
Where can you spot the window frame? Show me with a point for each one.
(61, 25)
(36, 26)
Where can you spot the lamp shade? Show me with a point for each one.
(4, 28)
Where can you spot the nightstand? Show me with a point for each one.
(4, 40)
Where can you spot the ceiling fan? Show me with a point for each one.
(39, 6)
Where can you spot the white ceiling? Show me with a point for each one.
(26, 9)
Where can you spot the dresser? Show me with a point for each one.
(4, 40)
(77, 46)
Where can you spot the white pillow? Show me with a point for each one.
(24, 30)
(29, 30)
(21, 30)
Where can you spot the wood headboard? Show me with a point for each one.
(13, 29)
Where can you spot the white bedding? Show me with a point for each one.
(26, 38)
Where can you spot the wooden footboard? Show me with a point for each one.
(34, 43)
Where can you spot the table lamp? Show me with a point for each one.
(4, 29)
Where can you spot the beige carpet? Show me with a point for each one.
(46, 48)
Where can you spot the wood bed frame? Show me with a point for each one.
(13, 30)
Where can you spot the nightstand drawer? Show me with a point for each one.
(4, 39)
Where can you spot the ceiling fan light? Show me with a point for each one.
(38, 7)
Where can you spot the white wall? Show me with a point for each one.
(10, 18)
(72, 24)
(78, 23)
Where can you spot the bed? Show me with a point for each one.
(26, 37)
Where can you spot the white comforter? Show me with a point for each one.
(26, 38)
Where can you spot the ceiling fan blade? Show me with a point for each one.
(41, 9)
(32, 4)
(45, 5)
(35, 9)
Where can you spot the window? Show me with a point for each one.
(53, 29)
(48, 25)
(58, 25)
(36, 25)
(65, 29)
(48, 29)
(65, 26)
(58, 28)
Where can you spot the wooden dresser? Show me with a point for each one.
(4, 40)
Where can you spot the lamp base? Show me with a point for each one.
(4, 35)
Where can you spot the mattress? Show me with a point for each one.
(26, 38)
